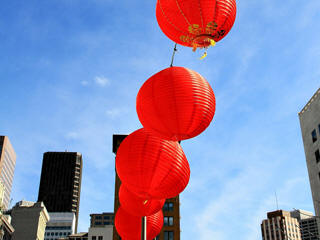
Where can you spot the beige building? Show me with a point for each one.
(280, 226)
(7, 166)
(310, 129)
(29, 220)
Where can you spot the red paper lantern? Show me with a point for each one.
(129, 226)
(195, 23)
(138, 206)
(151, 167)
(176, 103)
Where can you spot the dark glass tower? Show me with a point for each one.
(60, 182)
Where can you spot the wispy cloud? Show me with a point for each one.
(102, 81)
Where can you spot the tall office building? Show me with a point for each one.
(310, 128)
(60, 182)
(280, 226)
(171, 208)
(7, 165)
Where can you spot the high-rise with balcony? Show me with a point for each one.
(280, 226)
(60, 182)
(310, 128)
(7, 166)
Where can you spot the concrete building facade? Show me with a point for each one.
(279, 225)
(60, 183)
(61, 224)
(29, 220)
(310, 129)
(308, 224)
(171, 208)
(101, 219)
(7, 166)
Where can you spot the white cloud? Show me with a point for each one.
(84, 83)
(102, 81)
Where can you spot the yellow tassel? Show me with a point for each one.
(212, 42)
(203, 56)
(145, 202)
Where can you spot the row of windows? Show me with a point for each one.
(95, 238)
(314, 134)
(58, 228)
(57, 233)
(104, 217)
(103, 223)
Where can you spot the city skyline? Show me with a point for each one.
(69, 78)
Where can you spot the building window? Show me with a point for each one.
(317, 154)
(168, 206)
(93, 238)
(168, 235)
(319, 175)
(168, 221)
(100, 238)
(314, 135)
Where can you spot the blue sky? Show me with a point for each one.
(70, 71)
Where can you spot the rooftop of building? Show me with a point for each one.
(317, 93)
(104, 213)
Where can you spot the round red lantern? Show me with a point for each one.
(196, 23)
(176, 104)
(151, 167)
(129, 226)
(138, 206)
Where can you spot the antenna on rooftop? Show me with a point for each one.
(275, 192)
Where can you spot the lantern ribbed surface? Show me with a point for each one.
(138, 206)
(176, 104)
(151, 167)
(129, 226)
(189, 22)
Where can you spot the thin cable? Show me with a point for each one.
(174, 52)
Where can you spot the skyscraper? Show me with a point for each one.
(60, 182)
(310, 128)
(7, 165)
(171, 208)
(279, 226)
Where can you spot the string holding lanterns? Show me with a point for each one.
(196, 23)
(174, 104)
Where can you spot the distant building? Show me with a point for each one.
(60, 182)
(7, 166)
(61, 224)
(29, 220)
(6, 229)
(171, 208)
(101, 219)
(308, 224)
(310, 128)
(76, 236)
(279, 225)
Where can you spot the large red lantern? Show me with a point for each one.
(129, 226)
(151, 167)
(138, 206)
(196, 23)
(176, 104)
